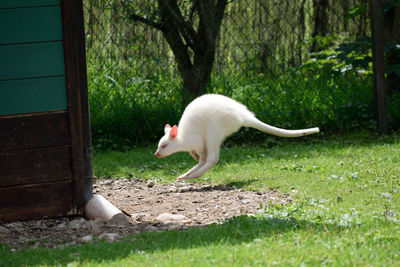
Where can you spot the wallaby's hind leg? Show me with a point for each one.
(213, 145)
(202, 161)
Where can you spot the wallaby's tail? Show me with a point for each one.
(259, 125)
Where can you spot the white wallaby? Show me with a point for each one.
(205, 124)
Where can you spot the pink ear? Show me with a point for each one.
(174, 132)
(167, 127)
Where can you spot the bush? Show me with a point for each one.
(131, 109)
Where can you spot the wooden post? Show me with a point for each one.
(75, 62)
(376, 16)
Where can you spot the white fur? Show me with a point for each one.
(205, 124)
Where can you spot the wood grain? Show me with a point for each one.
(31, 60)
(36, 201)
(34, 131)
(35, 166)
(32, 95)
(27, 25)
(27, 3)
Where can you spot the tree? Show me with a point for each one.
(391, 22)
(191, 29)
(320, 22)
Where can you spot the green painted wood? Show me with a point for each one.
(23, 25)
(32, 95)
(27, 3)
(31, 60)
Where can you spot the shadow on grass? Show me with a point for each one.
(235, 231)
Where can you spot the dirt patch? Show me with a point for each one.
(150, 206)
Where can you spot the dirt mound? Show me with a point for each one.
(150, 207)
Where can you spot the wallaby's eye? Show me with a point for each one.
(164, 146)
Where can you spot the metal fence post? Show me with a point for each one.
(376, 15)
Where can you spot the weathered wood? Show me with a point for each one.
(35, 166)
(25, 25)
(74, 43)
(36, 201)
(34, 130)
(27, 3)
(31, 60)
(32, 95)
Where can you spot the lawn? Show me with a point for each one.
(346, 193)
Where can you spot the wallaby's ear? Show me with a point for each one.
(174, 132)
(167, 127)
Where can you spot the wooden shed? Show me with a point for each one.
(45, 146)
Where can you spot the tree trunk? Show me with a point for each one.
(391, 22)
(195, 70)
(302, 32)
(320, 22)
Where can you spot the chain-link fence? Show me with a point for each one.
(294, 63)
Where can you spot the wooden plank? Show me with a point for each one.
(74, 40)
(34, 130)
(36, 201)
(32, 95)
(31, 60)
(27, 3)
(35, 166)
(25, 25)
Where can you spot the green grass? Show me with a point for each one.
(346, 193)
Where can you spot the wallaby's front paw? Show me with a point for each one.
(182, 177)
(187, 176)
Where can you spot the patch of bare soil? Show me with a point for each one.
(150, 206)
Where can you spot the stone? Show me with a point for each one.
(138, 216)
(77, 223)
(171, 226)
(166, 218)
(4, 230)
(174, 189)
(109, 237)
(150, 183)
(60, 225)
(95, 229)
(85, 239)
(151, 228)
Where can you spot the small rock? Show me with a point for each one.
(85, 239)
(184, 189)
(171, 226)
(77, 223)
(171, 218)
(138, 216)
(106, 182)
(109, 237)
(61, 225)
(4, 230)
(150, 183)
(97, 221)
(95, 229)
(151, 228)
(14, 225)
